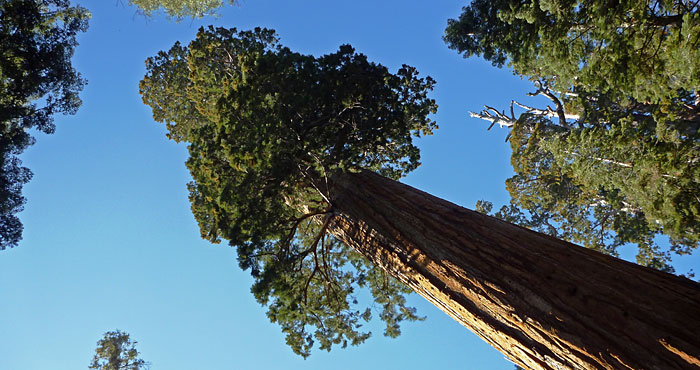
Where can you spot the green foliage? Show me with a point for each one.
(37, 80)
(179, 9)
(615, 160)
(658, 178)
(646, 50)
(115, 351)
(266, 129)
(620, 176)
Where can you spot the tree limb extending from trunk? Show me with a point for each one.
(495, 117)
(616, 163)
(548, 112)
(542, 89)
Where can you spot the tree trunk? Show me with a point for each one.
(543, 302)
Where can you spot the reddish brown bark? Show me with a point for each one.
(543, 302)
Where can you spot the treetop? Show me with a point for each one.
(266, 130)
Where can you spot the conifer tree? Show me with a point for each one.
(179, 9)
(603, 175)
(37, 81)
(116, 351)
(266, 128)
(613, 159)
(286, 149)
(645, 50)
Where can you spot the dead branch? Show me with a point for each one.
(542, 89)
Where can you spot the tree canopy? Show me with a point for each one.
(116, 351)
(613, 160)
(603, 178)
(646, 50)
(179, 9)
(37, 80)
(266, 129)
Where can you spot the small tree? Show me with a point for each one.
(116, 351)
(179, 9)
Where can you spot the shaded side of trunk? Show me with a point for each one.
(543, 302)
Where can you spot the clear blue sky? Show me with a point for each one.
(109, 240)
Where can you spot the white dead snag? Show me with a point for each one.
(545, 91)
(548, 112)
(495, 117)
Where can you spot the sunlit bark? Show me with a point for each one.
(543, 302)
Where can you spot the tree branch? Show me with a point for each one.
(548, 112)
(543, 90)
(287, 241)
(495, 117)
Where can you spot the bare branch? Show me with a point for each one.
(544, 90)
(312, 182)
(565, 93)
(621, 164)
(297, 221)
(548, 112)
(627, 207)
(321, 233)
(306, 286)
(495, 117)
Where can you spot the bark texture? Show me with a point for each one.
(543, 302)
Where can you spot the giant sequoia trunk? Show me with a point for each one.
(543, 302)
